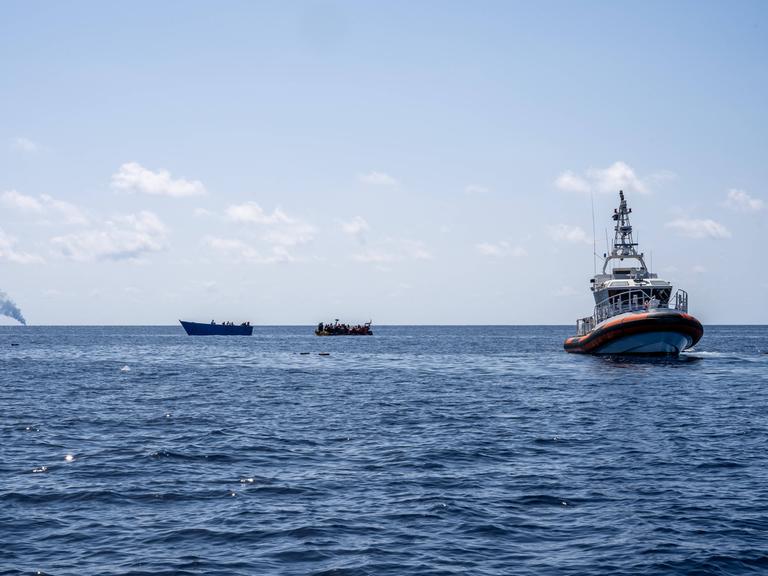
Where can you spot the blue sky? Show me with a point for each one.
(409, 162)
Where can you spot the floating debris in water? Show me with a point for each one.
(324, 354)
(40, 469)
(69, 458)
(304, 353)
(247, 480)
(125, 369)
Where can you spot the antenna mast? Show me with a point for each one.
(623, 243)
(594, 239)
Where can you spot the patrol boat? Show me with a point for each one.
(635, 311)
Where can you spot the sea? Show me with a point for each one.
(420, 450)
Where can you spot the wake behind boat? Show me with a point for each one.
(635, 311)
(213, 329)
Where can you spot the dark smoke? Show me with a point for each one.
(8, 308)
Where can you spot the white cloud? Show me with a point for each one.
(377, 179)
(251, 212)
(69, 212)
(20, 201)
(617, 176)
(133, 177)
(699, 269)
(9, 253)
(126, 237)
(239, 251)
(355, 227)
(233, 247)
(25, 145)
(45, 206)
(740, 201)
(693, 228)
(394, 250)
(568, 233)
(475, 189)
(500, 249)
(571, 182)
(279, 229)
(292, 235)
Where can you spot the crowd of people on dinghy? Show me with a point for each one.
(337, 329)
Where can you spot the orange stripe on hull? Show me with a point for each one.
(635, 324)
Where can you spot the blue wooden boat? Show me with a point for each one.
(213, 329)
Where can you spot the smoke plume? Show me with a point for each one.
(8, 308)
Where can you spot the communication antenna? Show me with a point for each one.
(594, 238)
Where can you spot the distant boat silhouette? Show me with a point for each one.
(213, 329)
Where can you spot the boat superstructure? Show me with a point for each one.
(635, 311)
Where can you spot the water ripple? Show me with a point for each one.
(432, 450)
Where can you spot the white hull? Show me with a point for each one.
(648, 343)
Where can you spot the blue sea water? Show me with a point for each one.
(419, 450)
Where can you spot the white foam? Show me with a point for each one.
(695, 354)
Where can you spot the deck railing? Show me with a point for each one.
(632, 300)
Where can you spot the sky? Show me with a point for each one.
(405, 162)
